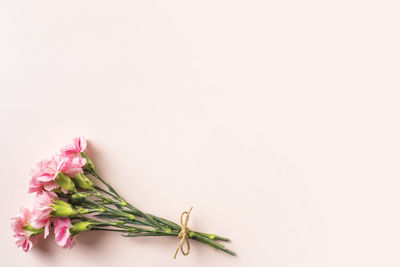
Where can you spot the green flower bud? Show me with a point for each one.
(79, 195)
(65, 182)
(80, 227)
(89, 164)
(62, 209)
(33, 230)
(82, 181)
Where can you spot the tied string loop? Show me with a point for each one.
(183, 234)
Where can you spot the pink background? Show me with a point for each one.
(277, 120)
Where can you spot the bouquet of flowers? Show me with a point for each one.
(71, 198)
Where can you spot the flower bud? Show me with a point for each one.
(62, 209)
(32, 230)
(82, 181)
(79, 195)
(80, 227)
(65, 182)
(89, 164)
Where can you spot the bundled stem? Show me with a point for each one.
(68, 201)
(131, 222)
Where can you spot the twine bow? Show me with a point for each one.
(183, 234)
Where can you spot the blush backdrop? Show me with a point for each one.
(278, 121)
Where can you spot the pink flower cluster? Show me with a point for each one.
(28, 225)
(68, 161)
(22, 237)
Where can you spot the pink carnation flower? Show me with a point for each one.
(22, 237)
(46, 171)
(74, 165)
(41, 211)
(62, 232)
(36, 186)
(44, 174)
(75, 161)
(78, 145)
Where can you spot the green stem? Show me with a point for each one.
(150, 234)
(110, 211)
(178, 228)
(213, 237)
(106, 184)
(121, 225)
(212, 243)
(173, 225)
(118, 197)
(117, 212)
(156, 222)
(111, 230)
(133, 233)
(104, 191)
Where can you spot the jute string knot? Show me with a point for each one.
(184, 234)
